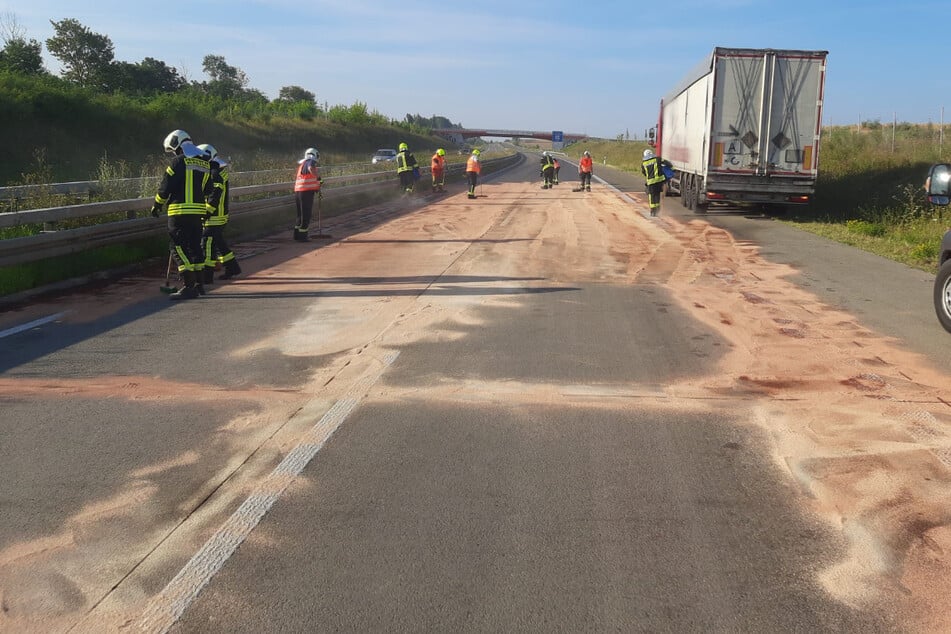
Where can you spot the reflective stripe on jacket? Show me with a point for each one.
(308, 176)
(184, 186)
(652, 171)
(218, 199)
(405, 162)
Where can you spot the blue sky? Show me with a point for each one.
(592, 67)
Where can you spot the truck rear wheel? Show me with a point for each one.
(942, 295)
(687, 184)
(699, 202)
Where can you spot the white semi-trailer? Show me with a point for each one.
(743, 128)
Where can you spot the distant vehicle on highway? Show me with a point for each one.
(939, 193)
(384, 155)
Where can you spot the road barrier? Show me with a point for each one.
(53, 243)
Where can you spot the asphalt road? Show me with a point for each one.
(499, 414)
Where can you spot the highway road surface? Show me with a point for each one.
(539, 410)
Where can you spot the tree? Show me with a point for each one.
(19, 54)
(226, 81)
(86, 56)
(22, 56)
(296, 93)
(148, 77)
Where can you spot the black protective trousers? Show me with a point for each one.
(185, 233)
(214, 246)
(473, 178)
(305, 210)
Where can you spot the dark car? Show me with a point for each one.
(939, 193)
(942, 283)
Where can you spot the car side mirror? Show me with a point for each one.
(938, 184)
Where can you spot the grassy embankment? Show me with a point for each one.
(54, 133)
(870, 191)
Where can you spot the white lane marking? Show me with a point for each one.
(32, 324)
(615, 189)
(169, 605)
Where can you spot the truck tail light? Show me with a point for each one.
(797, 199)
(715, 196)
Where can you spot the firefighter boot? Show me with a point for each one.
(208, 275)
(189, 289)
(231, 270)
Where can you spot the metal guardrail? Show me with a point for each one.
(14, 251)
(15, 193)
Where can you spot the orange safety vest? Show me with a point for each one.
(438, 163)
(308, 177)
(585, 165)
(472, 165)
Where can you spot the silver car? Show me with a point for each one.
(384, 155)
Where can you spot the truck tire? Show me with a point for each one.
(699, 202)
(688, 191)
(942, 295)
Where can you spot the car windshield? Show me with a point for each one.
(386, 152)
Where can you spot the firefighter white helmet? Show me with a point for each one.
(175, 139)
(210, 152)
(312, 153)
(648, 154)
(587, 153)
(545, 153)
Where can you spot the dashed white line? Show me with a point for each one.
(33, 324)
(169, 605)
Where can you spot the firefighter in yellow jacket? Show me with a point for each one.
(213, 243)
(652, 169)
(183, 190)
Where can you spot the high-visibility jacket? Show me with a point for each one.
(308, 176)
(438, 163)
(473, 165)
(652, 171)
(405, 162)
(218, 199)
(185, 183)
(548, 163)
(585, 165)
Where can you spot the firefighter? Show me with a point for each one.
(213, 245)
(652, 169)
(548, 170)
(438, 169)
(306, 185)
(183, 189)
(406, 166)
(585, 169)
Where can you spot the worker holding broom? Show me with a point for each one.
(406, 168)
(183, 189)
(214, 246)
(473, 169)
(437, 166)
(547, 170)
(306, 186)
(585, 169)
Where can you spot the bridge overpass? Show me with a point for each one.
(459, 135)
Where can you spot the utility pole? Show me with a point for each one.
(894, 125)
(941, 130)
